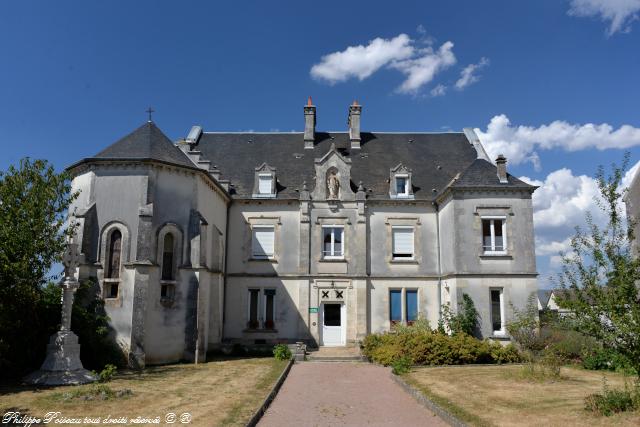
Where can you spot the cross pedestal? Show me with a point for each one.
(62, 365)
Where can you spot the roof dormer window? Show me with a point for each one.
(400, 183)
(265, 182)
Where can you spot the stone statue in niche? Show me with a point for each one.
(333, 184)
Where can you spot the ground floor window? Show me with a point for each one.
(497, 311)
(395, 298)
(403, 310)
(411, 304)
(262, 309)
(254, 296)
(167, 290)
(269, 308)
(111, 288)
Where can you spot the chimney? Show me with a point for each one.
(501, 163)
(309, 124)
(354, 124)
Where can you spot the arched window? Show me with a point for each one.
(167, 258)
(114, 255)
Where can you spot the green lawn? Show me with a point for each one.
(225, 392)
(499, 396)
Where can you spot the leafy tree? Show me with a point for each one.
(600, 276)
(465, 321)
(33, 203)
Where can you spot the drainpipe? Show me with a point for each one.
(435, 204)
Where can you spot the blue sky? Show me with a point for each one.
(76, 76)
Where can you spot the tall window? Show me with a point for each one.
(167, 258)
(411, 304)
(115, 249)
(494, 236)
(403, 308)
(395, 306)
(265, 183)
(263, 242)
(114, 255)
(497, 311)
(262, 309)
(402, 242)
(333, 242)
(402, 185)
(254, 297)
(269, 308)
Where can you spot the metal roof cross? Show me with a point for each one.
(150, 111)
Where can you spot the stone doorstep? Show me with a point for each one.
(337, 354)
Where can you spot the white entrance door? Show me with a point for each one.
(333, 324)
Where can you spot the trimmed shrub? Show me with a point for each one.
(281, 352)
(426, 347)
(401, 365)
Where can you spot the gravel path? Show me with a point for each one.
(344, 394)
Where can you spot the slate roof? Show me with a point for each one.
(145, 143)
(482, 173)
(434, 158)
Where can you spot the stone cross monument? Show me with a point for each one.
(62, 364)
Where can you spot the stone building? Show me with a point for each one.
(632, 205)
(323, 237)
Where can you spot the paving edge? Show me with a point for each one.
(272, 395)
(445, 415)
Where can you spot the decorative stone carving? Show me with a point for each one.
(333, 185)
(333, 177)
(62, 365)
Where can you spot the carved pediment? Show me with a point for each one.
(333, 177)
(400, 168)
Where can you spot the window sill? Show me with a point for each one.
(403, 261)
(260, 331)
(500, 337)
(271, 260)
(329, 259)
(263, 196)
(496, 255)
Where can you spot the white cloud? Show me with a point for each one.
(362, 61)
(468, 75)
(439, 90)
(619, 13)
(559, 205)
(420, 65)
(520, 143)
(422, 69)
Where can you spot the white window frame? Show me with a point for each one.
(404, 176)
(255, 228)
(333, 247)
(265, 176)
(492, 251)
(261, 311)
(393, 243)
(503, 329)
